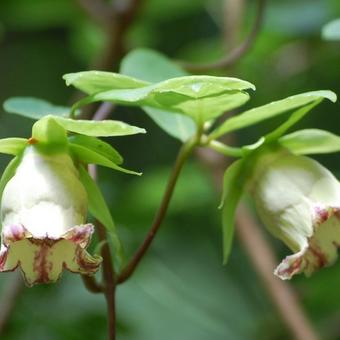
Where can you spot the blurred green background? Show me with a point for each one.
(181, 290)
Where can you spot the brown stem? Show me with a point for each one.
(109, 279)
(238, 52)
(96, 9)
(91, 284)
(109, 275)
(184, 153)
(9, 298)
(120, 20)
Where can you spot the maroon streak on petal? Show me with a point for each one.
(42, 260)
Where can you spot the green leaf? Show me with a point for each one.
(99, 210)
(150, 66)
(331, 31)
(270, 110)
(92, 82)
(311, 141)
(295, 117)
(34, 108)
(154, 67)
(12, 146)
(233, 182)
(200, 97)
(8, 173)
(202, 86)
(175, 124)
(47, 130)
(99, 146)
(89, 156)
(103, 128)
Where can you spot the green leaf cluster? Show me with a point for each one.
(184, 105)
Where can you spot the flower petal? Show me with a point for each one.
(321, 250)
(42, 260)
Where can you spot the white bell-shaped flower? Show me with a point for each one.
(299, 201)
(43, 212)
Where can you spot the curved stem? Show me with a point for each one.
(224, 149)
(238, 52)
(183, 155)
(91, 284)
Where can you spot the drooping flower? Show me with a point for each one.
(44, 211)
(299, 201)
(46, 192)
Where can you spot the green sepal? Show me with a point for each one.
(88, 156)
(97, 145)
(103, 128)
(311, 141)
(8, 173)
(49, 132)
(12, 146)
(100, 211)
(34, 108)
(233, 185)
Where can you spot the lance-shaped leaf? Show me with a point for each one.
(295, 117)
(98, 146)
(9, 173)
(311, 141)
(89, 156)
(233, 182)
(103, 128)
(200, 97)
(270, 110)
(154, 67)
(92, 82)
(12, 146)
(34, 108)
(100, 211)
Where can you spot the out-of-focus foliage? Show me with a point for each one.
(331, 31)
(181, 290)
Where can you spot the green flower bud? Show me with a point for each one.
(43, 212)
(299, 201)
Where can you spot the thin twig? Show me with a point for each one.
(97, 9)
(121, 20)
(237, 53)
(9, 299)
(183, 154)
(109, 279)
(103, 111)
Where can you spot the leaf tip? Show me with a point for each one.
(226, 256)
(332, 96)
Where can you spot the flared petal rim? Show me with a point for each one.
(321, 248)
(42, 260)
